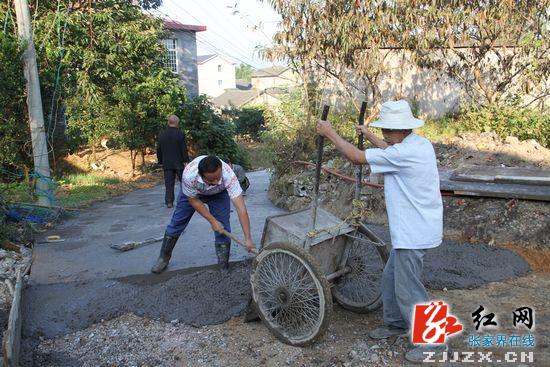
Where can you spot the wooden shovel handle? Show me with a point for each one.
(240, 242)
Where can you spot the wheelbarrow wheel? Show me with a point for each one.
(291, 294)
(359, 290)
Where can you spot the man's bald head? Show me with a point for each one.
(173, 121)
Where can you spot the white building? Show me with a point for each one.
(181, 57)
(216, 74)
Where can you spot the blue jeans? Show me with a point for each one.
(219, 206)
(401, 286)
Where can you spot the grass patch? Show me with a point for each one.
(88, 179)
(71, 191)
(440, 130)
(83, 195)
(84, 188)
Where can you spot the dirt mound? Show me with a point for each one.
(487, 149)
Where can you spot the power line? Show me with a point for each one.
(172, 19)
(215, 49)
(226, 40)
(244, 16)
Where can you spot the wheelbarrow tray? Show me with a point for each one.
(326, 243)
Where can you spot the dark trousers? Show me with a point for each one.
(169, 180)
(219, 206)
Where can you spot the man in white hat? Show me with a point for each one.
(414, 207)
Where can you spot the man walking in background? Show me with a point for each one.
(172, 155)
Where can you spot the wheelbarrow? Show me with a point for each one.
(310, 257)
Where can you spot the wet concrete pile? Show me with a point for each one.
(459, 265)
(207, 296)
(192, 296)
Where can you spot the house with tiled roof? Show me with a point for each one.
(274, 77)
(216, 74)
(181, 57)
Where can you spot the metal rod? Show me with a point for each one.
(359, 168)
(320, 142)
(338, 273)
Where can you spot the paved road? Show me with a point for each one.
(85, 253)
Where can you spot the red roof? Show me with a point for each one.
(177, 26)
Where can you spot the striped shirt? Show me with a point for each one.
(192, 183)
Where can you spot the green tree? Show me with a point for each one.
(249, 121)
(209, 133)
(494, 49)
(244, 71)
(113, 78)
(14, 130)
(142, 109)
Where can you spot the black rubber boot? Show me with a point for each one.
(168, 244)
(222, 252)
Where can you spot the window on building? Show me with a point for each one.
(219, 68)
(220, 83)
(171, 60)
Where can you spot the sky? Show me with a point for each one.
(234, 28)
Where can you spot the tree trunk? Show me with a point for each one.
(133, 159)
(143, 166)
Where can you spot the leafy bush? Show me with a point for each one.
(249, 121)
(291, 134)
(14, 131)
(209, 133)
(507, 120)
(440, 129)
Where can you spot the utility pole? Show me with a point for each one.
(34, 103)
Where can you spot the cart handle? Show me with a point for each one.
(320, 142)
(359, 168)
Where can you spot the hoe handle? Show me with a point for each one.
(359, 169)
(239, 241)
(320, 142)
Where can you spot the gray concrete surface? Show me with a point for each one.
(85, 253)
(81, 281)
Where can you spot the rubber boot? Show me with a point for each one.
(168, 244)
(222, 252)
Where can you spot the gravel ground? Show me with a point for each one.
(10, 263)
(130, 340)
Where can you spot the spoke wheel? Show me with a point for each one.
(359, 290)
(291, 294)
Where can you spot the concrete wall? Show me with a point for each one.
(285, 79)
(263, 99)
(209, 76)
(436, 94)
(187, 60)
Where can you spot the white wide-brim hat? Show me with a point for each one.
(397, 115)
